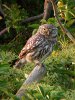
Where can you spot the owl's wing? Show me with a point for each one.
(31, 44)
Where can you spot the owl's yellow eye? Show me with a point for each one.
(44, 29)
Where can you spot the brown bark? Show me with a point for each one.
(47, 9)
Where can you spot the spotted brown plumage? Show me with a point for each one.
(31, 44)
(39, 46)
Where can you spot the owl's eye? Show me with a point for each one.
(44, 29)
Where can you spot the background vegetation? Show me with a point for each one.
(59, 82)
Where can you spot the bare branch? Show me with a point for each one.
(31, 19)
(64, 30)
(3, 31)
(47, 9)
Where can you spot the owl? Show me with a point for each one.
(39, 46)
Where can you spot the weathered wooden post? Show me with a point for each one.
(35, 76)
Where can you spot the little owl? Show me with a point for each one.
(39, 46)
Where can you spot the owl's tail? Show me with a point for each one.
(20, 63)
(17, 63)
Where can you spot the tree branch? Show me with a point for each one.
(31, 19)
(48, 9)
(3, 31)
(22, 22)
(64, 30)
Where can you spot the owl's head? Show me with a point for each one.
(49, 31)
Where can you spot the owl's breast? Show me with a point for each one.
(44, 48)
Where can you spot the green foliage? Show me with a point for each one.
(34, 26)
(10, 79)
(45, 92)
(66, 10)
(59, 83)
(50, 21)
(68, 24)
(14, 15)
(60, 67)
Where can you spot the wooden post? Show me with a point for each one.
(35, 76)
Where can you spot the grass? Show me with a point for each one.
(58, 84)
